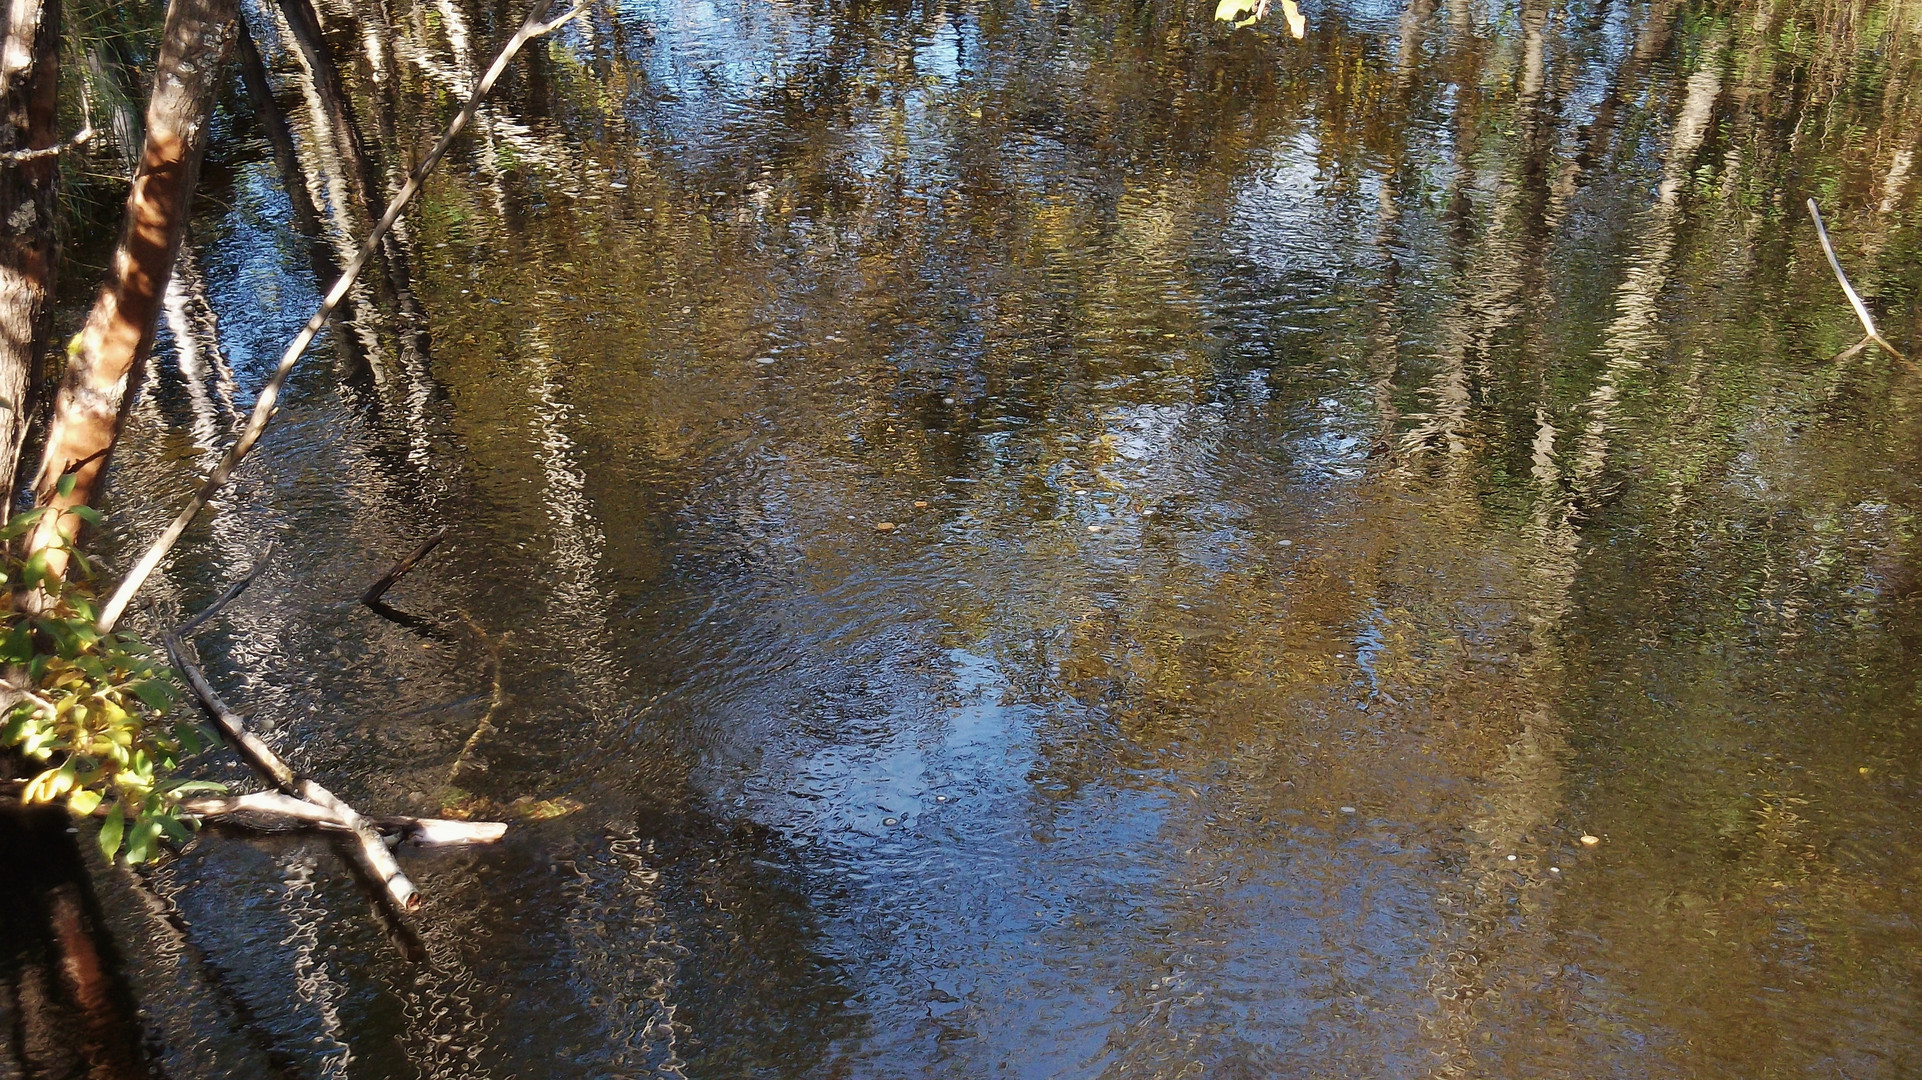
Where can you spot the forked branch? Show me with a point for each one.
(369, 852)
(1848, 290)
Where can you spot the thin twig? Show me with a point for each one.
(227, 597)
(379, 588)
(79, 139)
(264, 406)
(1848, 290)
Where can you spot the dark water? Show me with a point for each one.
(1328, 479)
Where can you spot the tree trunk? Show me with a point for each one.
(106, 360)
(29, 74)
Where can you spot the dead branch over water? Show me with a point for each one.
(298, 801)
(265, 406)
(273, 811)
(369, 852)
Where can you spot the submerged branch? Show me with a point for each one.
(1848, 290)
(227, 597)
(265, 406)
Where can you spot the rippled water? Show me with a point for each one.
(1327, 480)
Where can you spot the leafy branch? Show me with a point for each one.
(89, 706)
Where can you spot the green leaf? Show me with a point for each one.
(20, 524)
(111, 829)
(175, 829)
(66, 485)
(85, 513)
(140, 840)
(35, 571)
(17, 646)
(84, 801)
(153, 693)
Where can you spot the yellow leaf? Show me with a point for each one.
(1297, 23)
(1233, 10)
(38, 788)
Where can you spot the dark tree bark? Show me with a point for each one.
(105, 361)
(29, 74)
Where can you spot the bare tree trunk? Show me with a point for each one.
(29, 75)
(106, 359)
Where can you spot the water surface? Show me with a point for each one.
(1325, 481)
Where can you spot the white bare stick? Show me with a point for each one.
(1848, 290)
(367, 850)
(274, 810)
(264, 407)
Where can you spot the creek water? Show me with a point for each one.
(1058, 539)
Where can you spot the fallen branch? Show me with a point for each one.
(274, 811)
(264, 406)
(1848, 290)
(367, 850)
(379, 588)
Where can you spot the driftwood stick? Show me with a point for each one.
(379, 588)
(367, 850)
(1848, 290)
(265, 405)
(276, 811)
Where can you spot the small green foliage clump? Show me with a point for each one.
(92, 706)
